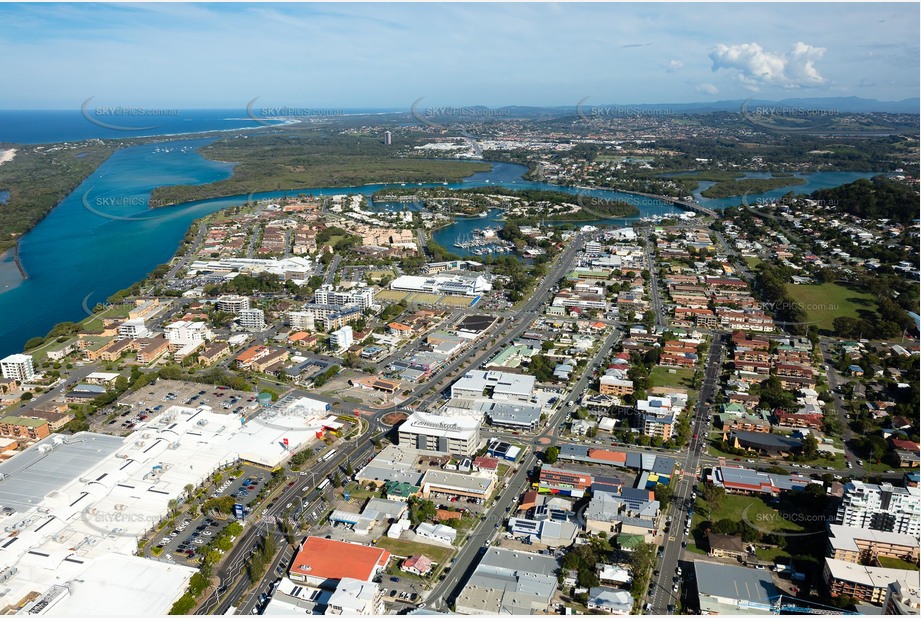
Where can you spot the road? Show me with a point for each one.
(654, 283)
(475, 545)
(330, 275)
(662, 584)
(232, 572)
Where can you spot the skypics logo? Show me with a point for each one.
(603, 208)
(95, 115)
(442, 117)
(269, 116)
(588, 112)
(96, 205)
(118, 523)
(773, 523)
(97, 308)
(785, 118)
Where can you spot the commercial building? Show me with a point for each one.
(321, 562)
(566, 482)
(865, 583)
(439, 482)
(443, 434)
(498, 385)
(509, 582)
(18, 367)
(457, 285)
(728, 589)
(881, 507)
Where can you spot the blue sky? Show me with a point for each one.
(387, 56)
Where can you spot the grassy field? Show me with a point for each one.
(660, 376)
(823, 303)
(755, 510)
(423, 299)
(752, 262)
(401, 547)
(391, 296)
(896, 563)
(456, 301)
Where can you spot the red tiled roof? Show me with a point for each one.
(330, 559)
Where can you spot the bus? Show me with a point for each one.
(323, 485)
(329, 455)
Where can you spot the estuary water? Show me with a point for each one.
(104, 237)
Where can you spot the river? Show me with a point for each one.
(103, 237)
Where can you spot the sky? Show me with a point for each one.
(179, 56)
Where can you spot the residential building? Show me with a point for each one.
(18, 367)
(725, 546)
(863, 546)
(301, 320)
(24, 428)
(610, 600)
(881, 507)
(341, 339)
(864, 583)
(232, 303)
(902, 600)
(252, 320)
(151, 348)
(417, 564)
(610, 385)
(133, 329)
(180, 334)
(362, 296)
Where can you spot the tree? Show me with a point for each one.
(551, 454)
(810, 447)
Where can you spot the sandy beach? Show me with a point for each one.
(7, 155)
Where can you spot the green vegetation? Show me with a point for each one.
(660, 376)
(730, 188)
(823, 303)
(896, 563)
(39, 177)
(311, 157)
(403, 548)
(877, 198)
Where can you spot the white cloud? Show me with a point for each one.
(754, 66)
(674, 66)
(706, 88)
